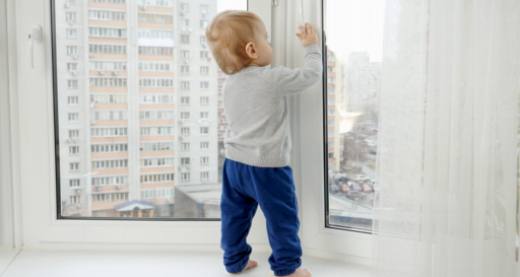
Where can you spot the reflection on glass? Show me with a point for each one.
(138, 110)
(354, 40)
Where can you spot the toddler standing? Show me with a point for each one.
(257, 149)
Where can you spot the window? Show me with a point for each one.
(353, 69)
(204, 55)
(73, 116)
(185, 39)
(185, 131)
(185, 100)
(72, 100)
(204, 70)
(204, 175)
(74, 166)
(122, 114)
(204, 100)
(185, 146)
(74, 133)
(185, 54)
(72, 84)
(72, 34)
(185, 115)
(185, 85)
(185, 69)
(109, 148)
(73, 150)
(185, 161)
(72, 67)
(73, 183)
(185, 177)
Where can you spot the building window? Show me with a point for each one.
(204, 85)
(185, 131)
(204, 70)
(185, 85)
(204, 176)
(73, 133)
(185, 100)
(74, 183)
(204, 100)
(185, 39)
(185, 146)
(185, 69)
(74, 150)
(185, 177)
(185, 115)
(73, 117)
(72, 100)
(72, 84)
(71, 33)
(74, 166)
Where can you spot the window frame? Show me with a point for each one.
(319, 240)
(6, 189)
(37, 173)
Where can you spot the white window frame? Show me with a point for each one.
(308, 147)
(6, 219)
(37, 183)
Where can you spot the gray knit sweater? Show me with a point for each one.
(255, 107)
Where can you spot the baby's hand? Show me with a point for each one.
(307, 35)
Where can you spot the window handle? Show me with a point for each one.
(36, 35)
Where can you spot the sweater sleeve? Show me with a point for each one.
(289, 81)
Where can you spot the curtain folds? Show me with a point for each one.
(447, 164)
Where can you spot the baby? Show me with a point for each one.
(256, 166)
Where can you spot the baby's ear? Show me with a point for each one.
(251, 50)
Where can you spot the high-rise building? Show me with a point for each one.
(334, 89)
(138, 108)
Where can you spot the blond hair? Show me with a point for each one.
(228, 35)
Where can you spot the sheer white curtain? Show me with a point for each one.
(446, 201)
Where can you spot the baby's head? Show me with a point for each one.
(238, 39)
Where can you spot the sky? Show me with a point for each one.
(231, 5)
(355, 25)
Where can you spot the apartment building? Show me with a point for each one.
(137, 97)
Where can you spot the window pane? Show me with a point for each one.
(354, 41)
(132, 78)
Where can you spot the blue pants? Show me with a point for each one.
(244, 187)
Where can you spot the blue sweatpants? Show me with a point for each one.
(244, 187)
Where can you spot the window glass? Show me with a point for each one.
(125, 126)
(354, 32)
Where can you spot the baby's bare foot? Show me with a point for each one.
(300, 273)
(250, 265)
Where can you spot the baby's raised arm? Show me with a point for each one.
(289, 81)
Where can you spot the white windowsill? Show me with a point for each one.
(83, 263)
